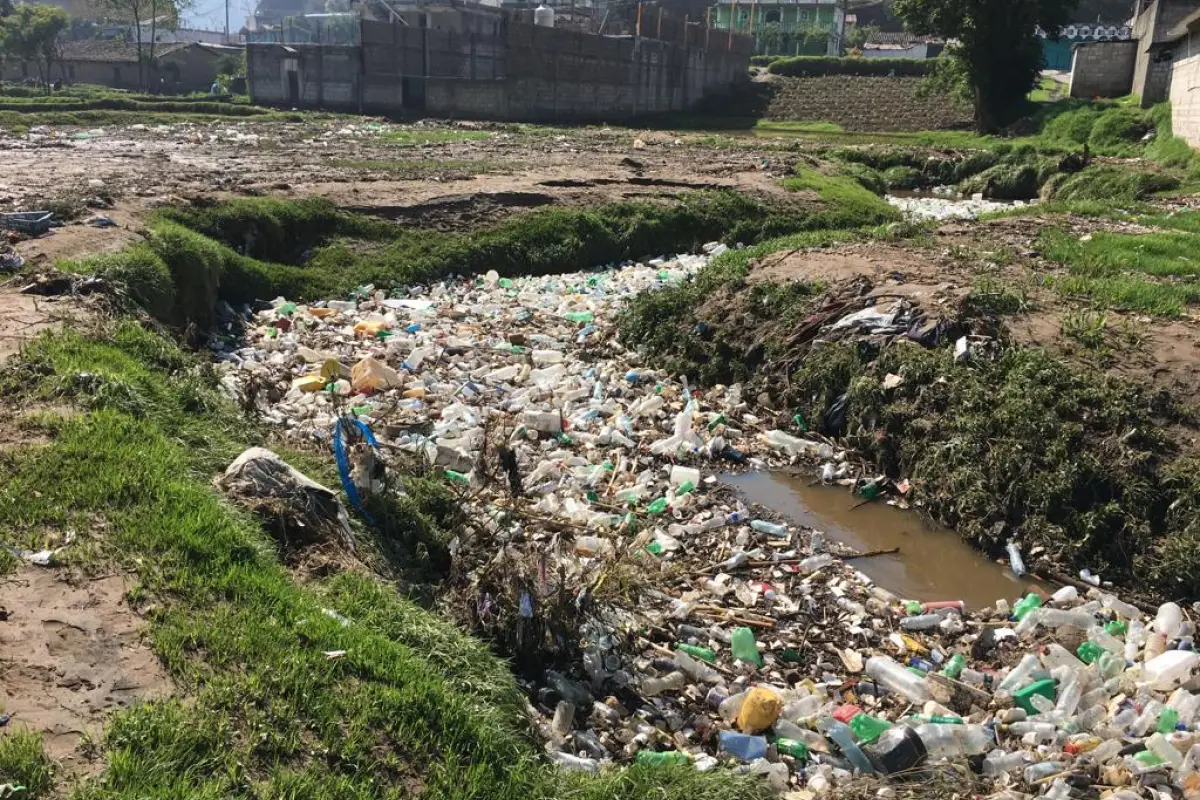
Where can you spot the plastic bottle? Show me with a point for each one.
(1036, 772)
(1026, 604)
(1068, 698)
(696, 670)
(1156, 643)
(1168, 620)
(564, 717)
(1161, 747)
(1058, 656)
(843, 737)
(1067, 594)
(954, 666)
(867, 728)
(954, 741)
(1018, 674)
(1015, 562)
(702, 653)
(795, 446)
(769, 528)
(998, 762)
(743, 745)
(669, 683)
(814, 563)
(899, 749)
(574, 763)
(731, 706)
(667, 758)
(1106, 640)
(791, 747)
(923, 622)
(744, 647)
(681, 475)
(895, 678)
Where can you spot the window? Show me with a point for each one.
(71, 72)
(804, 15)
(116, 74)
(773, 16)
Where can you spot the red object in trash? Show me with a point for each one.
(934, 606)
(846, 713)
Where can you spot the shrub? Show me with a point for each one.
(1110, 183)
(812, 66)
(903, 178)
(143, 274)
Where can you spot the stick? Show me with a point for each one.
(871, 553)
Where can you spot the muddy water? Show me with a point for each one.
(933, 562)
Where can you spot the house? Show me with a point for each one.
(788, 27)
(902, 45)
(1184, 42)
(1153, 27)
(178, 68)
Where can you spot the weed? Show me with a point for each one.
(1109, 184)
(847, 203)
(415, 137)
(1086, 327)
(989, 295)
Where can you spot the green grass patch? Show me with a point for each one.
(23, 762)
(1108, 183)
(1156, 273)
(824, 132)
(415, 707)
(847, 203)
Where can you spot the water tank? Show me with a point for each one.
(544, 16)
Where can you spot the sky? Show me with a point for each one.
(210, 14)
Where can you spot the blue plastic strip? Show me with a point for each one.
(343, 461)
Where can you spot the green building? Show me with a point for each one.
(790, 27)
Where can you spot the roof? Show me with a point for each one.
(119, 52)
(900, 39)
(114, 50)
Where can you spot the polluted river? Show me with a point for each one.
(653, 616)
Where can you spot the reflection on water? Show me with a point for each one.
(933, 562)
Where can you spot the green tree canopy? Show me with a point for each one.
(998, 47)
(30, 33)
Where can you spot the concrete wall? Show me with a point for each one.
(1152, 71)
(525, 72)
(1185, 90)
(1103, 69)
(182, 72)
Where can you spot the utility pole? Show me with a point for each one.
(226, 21)
(841, 29)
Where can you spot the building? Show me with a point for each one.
(1153, 26)
(1058, 52)
(902, 45)
(788, 27)
(520, 72)
(1184, 42)
(176, 68)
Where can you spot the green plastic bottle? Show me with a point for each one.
(870, 490)
(702, 653)
(800, 423)
(505, 283)
(1026, 604)
(718, 420)
(867, 728)
(687, 487)
(580, 316)
(1167, 720)
(790, 656)
(744, 647)
(457, 477)
(668, 758)
(790, 747)
(1116, 628)
(1088, 652)
(954, 666)
(658, 506)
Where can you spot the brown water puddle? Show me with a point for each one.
(933, 562)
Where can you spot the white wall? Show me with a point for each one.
(1185, 90)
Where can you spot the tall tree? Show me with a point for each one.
(998, 48)
(31, 33)
(145, 17)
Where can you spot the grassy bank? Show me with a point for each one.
(1026, 447)
(414, 708)
(255, 249)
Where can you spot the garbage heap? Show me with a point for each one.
(660, 621)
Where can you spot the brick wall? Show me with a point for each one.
(1103, 69)
(525, 72)
(1185, 90)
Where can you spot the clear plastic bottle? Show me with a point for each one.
(896, 678)
(574, 763)
(954, 741)
(1058, 656)
(922, 622)
(1161, 747)
(1168, 620)
(1019, 674)
(672, 682)
(814, 563)
(843, 737)
(998, 762)
(1068, 697)
(1036, 772)
(1106, 640)
(769, 528)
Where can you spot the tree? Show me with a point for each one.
(135, 12)
(31, 33)
(998, 47)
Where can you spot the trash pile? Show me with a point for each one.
(660, 621)
(946, 204)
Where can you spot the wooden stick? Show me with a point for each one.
(871, 553)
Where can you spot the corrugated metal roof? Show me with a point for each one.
(114, 51)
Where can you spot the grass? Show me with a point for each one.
(847, 203)
(414, 137)
(23, 762)
(193, 256)
(425, 168)
(824, 132)
(415, 708)
(1156, 273)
